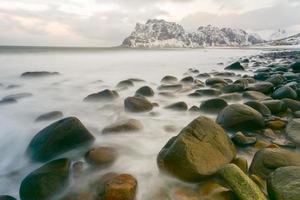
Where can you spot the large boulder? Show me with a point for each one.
(130, 125)
(137, 104)
(284, 184)
(198, 151)
(213, 105)
(267, 160)
(240, 117)
(293, 131)
(235, 66)
(59, 137)
(47, 181)
(284, 92)
(102, 96)
(240, 183)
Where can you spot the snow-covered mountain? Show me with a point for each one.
(160, 33)
(278, 34)
(292, 40)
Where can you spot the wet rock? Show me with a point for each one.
(137, 104)
(6, 197)
(225, 74)
(235, 66)
(283, 184)
(240, 183)
(178, 106)
(245, 81)
(208, 92)
(294, 105)
(188, 79)
(125, 84)
(170, 87)
(283, 143)
(117, 187)
(169, 79)
(266, 160)
(145, 91)
(102, 96)
(231, 97)
(78, 168)
(284, 92)
(242, 163)
(203, 75)
(259, 107)
(213, 105)
(36, 74)
(130, 125)
(295, 67)
(47, 181)
(199, 150)
(8, 101)
(167, 94)
(275, 106)
(212, 190)
(194, 109)
(101, 156)
(276, 79)
(263, 87)
(276, 124)
(254, 95)
(241, 140)
(12, 86)
(57, 138)
(213, 81)
(79, 195)
(233, 88)
(261, 76)
(240, 117)
(17, 96)
(50, 116)
(293, 131)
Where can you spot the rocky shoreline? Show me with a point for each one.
(242, 113)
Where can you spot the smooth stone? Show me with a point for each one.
(276, 79)
(79, 195)
(295, 67)
(241, 140)
(208, 92)
(284, 184)
(259, 107)
(188, 79)
(233, 88)
(7, 197)
(194, 109)
(213, 81)
(276, 124)
(8, 101)
(240, 117)
(275, 106)
(137, 104)
(59, 137)
(36, 74)
(292, 104)
(125, 83)
(145, 91)
(242, 163)
(231, 97)
(50, 116)
(46, 181)
(169, 79)
(198, 151)
(102, 95)
(240, 183)
(284, 92)
(17, 96)
(170, 87)
(178, 106)
(284, 143)
(263, 87)
(235, 66)
(266, 160)
(101, 156)
(130, 125)
(212, 190)
(254, 95)
(261, 76)
(167, 94)
(293, 131)
(245, 81)
(213, 105)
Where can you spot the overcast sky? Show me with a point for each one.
(108, 22)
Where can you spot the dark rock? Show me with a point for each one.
(125, 83)
(208, 92)
(245, 81)
(194, 109)
(178, 106)
(145, 91)
(17, 96)
(240, 117)
(199, 150)
(37, 74)
(283, 184)
(275, 106)
(235, 66)
(47, 181)
(213, 105)
(188, 79)
(225, 74)
(170, 87)
(263, 87)
(203, 75)
(293, 131)
(8, 101)
(50, 116)
(284, 92)
(102, 95)
(261, 76)
(231, 96)
(254, 95)
(261, 108)
(295, 67)
(267, 160)
(131, 125)
(167, 94)
(137, 104)
(294, 105)
(59, 137)
(241, 140)
(233, 88)
(213, 81)
(169, 79)
(276, 79)
(6, 197)
(101, 156)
